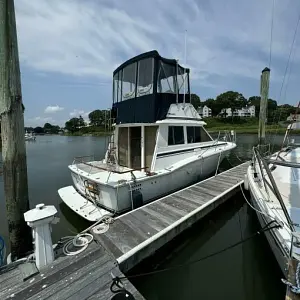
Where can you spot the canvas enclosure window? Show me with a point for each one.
(117, 87)
(123, 147)
(175, 135)
(150, 141)
(129, 82)
(182, 80)
(145, 77)
(166, 80)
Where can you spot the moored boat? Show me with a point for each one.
(159, 143)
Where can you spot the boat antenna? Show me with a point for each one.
(177, 89)
(184, 66)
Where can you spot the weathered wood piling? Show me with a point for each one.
(12, 134)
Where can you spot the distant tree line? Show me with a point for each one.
(98, 120)
(48, 129)
(236, 100)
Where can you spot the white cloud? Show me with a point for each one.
(228, 39)
(76, 113)
(53, 109)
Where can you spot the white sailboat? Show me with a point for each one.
(159, 143)
(274, 185)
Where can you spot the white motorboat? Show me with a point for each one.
(274, 185)
(159, 143)
(29, 136)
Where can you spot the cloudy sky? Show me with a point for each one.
(69, 48)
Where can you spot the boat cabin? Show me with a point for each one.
(151, 114)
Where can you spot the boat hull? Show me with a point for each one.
(131, 195)
(276, 244)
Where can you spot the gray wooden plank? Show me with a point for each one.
(99, 281)
(124, 237)
(141, 225)
(166, 218)
(202, 190)
(175, 207)
(194, 195)
(78, 288)
(37, 283)
(164, 212)
(10, 284)
(154, 222)
(218, 181)
(61, 288)
(109, 246)
(195, 201)
(186, 205)
(214, 187)
(228, 179)
(104, 293)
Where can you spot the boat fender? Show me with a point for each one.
(246, 182)
(137, 199)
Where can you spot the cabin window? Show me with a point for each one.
(193, 134)
(128, 82)
(145, 77)
(166, 82)
(175, 135)
(205, 137)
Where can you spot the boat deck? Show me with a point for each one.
(138, 234)
(84, 276)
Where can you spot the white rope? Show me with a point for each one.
(81, 241)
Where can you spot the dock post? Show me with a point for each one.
(12, 133)
(39, 219)
(264, 94)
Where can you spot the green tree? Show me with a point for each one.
(38, 130)
(97, 117)
(49, 128)
(195, 100)
(72, 125)
(81, 122)
(230, 99)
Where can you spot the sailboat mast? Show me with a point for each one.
(264, 95)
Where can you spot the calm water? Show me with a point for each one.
(246, 272)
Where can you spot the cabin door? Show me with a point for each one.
(135, 147)
(150, 141)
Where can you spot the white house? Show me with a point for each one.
(293, 117)
(248, 111)
(204, 111)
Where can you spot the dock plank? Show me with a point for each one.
(160, 221)
(70, 277)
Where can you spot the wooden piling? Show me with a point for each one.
(264, 94)
(12, 133)
(291, 278)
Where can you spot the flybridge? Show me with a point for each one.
(146, 85)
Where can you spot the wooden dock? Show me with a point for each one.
(131, 238)
(136, 235)
(84, 276)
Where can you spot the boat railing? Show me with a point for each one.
(89, 161)
(265, 172)
(227, 136)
